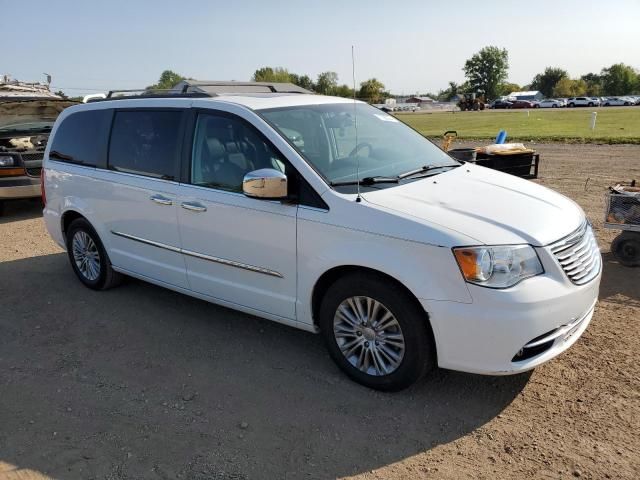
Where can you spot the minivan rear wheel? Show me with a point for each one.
(88, 257)
(375, 332)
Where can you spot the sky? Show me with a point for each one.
(411, 46)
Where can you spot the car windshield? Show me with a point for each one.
(325, 135)
(30, 115)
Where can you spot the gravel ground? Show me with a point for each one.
(141, 382)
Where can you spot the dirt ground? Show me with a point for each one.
(141, 382)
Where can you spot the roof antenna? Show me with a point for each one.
(355, 122)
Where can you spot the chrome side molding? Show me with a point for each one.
(211, 258)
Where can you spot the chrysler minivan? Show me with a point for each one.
(328, 215)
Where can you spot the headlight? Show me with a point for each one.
(498, 267)
(6, 161)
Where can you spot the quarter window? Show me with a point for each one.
(81, 138)
(146, 142)
(225, 149)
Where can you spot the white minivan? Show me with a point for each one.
(328, 215)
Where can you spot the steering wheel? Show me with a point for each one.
(359, 147)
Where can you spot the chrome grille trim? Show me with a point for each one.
(579, 255)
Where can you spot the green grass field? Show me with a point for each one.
(614, 125)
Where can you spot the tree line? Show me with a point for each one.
(326, 83)
(487, 72)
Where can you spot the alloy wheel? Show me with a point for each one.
(369, 336)
(86, 255)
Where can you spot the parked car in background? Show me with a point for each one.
(497, 104)
(25, 124)
(618, 101)
(582, 102)
(400, 256)
(550, 103)
(522, 104)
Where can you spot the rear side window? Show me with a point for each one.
(82, 138)
(146, 142)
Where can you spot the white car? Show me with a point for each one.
(583, 102)
(617, 101)
(550, 103)
(276, 205)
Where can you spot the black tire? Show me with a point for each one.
(626, 248)
(591, 104)
(419, 347)
(554, 106)
(107, 277)
(572, 105)
(1, 208)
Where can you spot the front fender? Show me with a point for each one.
(429, 272)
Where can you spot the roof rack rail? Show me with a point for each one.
(150, 93)
(200, 89)
(221, 87)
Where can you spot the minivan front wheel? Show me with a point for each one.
(88, 257)
(375, 333)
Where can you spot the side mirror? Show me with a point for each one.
(266, 183)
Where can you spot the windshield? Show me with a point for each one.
(325, 135)
(30, 116)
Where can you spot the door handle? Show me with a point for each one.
(161, 200)
(194, 206)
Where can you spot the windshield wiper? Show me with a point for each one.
(372, 180)
(366, 181)
(424, 169)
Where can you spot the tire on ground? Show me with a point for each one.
(626, 248)
(419, 355)
(107, 278)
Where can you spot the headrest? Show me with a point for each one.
(215, 147)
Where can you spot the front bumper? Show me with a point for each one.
(19, 187)
(510, 331)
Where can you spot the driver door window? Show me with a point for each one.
(225, 149)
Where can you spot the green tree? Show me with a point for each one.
(546, 81)
(270, 74)
(567, 87)
(168, 79)
(506, 88)
(619, 79)
(327, 83)
(303, 81)
(343, 91)
(487, 69)
(371, 90)
(594, 84)
(61, 94)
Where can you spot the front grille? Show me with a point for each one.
(579, 255)
(32, 156)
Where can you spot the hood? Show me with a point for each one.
(491, 207)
